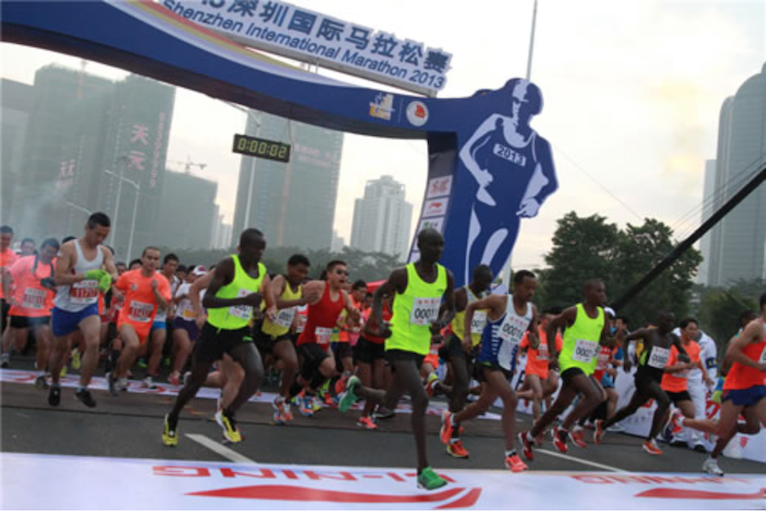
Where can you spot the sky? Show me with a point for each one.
(632, 91)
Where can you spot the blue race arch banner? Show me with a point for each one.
(488, 168)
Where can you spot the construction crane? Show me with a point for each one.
(188, 164)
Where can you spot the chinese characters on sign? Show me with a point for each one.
(306, 35)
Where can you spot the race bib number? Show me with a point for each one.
(584, 351)
(478, 322)
(425, 310)
(285, 317)
(542, 352)
(33, 298)
(84, 292)
(140, 311)
(323, 335)
(510, 332)
(241, 312)
(659, 357)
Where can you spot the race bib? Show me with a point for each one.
(302, 319)
(241, 312)
(140, 311)
(584, 351)
(542, 352)
(659, 357)
(425, 310)
(509, 332)
(84, 292)
(323, 335)
(33, 298)
(762, 359)
(478, 322)
(187, 313)
(285, 317)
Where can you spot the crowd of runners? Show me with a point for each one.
(333, 342)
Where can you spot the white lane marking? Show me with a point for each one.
(581, 461)
(220, 449)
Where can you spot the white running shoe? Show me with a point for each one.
(711, 467)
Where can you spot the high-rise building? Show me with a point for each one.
(182, 227)
(292, 203)
(708, 207)
(17, 101)
(338, 243)
(81, 126)
(737, 245)
(382, 218)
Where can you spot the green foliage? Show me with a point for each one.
(591, 247)
(719, 308)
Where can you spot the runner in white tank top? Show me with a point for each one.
(84, 268)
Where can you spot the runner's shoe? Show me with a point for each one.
(304, 404)
(288, 414)
(616, 428)
(447, 427)
(54, 396)
(41, 383)
(540, 438)
(175, 378)
(149, 382)
(229, 425)
(170, 432)
(141, 363)
(185, 378)
(526, 446)
(114, 388)
(578, 437)
(383, 414)
(367, 423)
(515, 464)
(433, 380)
(123, 383)
(278, 419)
(315, 404)
(651, 447)
(710, 466)
(340, 385)
(598, 432)
(6, 361)
(347, 397)
(281, 409)
(429, 480)
(84, 396)
(456, 449)
(560, 439)
(674, 425)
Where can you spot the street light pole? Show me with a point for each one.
(249, 202)
(532, 42)
(137, 186)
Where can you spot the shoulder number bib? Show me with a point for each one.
(425, 310)
(584, 351)
(33, 298)
(659, 357)
(478, 322)
(84, 292)
(140, 311)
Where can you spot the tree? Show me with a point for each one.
(720, 308)
(590, 247)
(583, 248)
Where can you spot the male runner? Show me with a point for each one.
(7, 258)
(540, 380)
(80, 277)
(185, 325)
(145, 290)
(318, 362)
(31, 305)
(370, 358)
(651, 367)
(159, 329)
(238, 285)
(418, 290)
(28, 247)
(674, 381)
(586, 330)
(509, 317)
(274, 337)
(744, 390)
(463, 350)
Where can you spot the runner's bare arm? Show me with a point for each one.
(353, 313)
(752, 333)
(278, 285)
(268, 296)
(109, 264)
(644, 334)
(313, 291)
(449, 301)
(161, 289)
(64, 264)
(396, 283)
(488, 303)
(196, 291)
(565, 319)
(680, 347)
